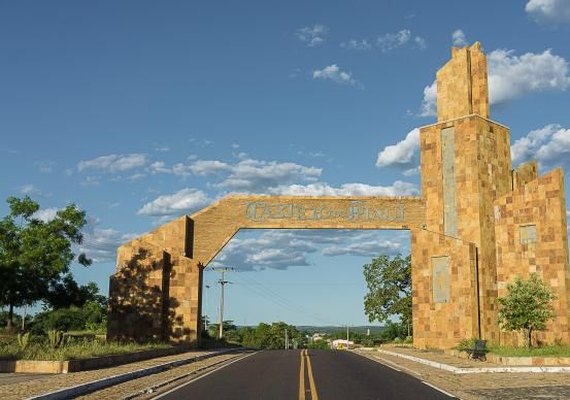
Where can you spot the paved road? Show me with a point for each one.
(293, 374)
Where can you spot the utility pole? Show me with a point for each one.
(222, 281)
(347, 337)
(207, 306)
(286, 340)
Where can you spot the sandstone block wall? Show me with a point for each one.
(445, 308)
(532, 236)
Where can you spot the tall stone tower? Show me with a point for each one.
(485, 223)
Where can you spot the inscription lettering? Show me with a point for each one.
(357, 210)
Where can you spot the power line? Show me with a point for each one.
(277, 299)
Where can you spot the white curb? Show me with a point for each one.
(84, 388)
(457, 370)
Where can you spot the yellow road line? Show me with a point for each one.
(314, 395)
(302, 377)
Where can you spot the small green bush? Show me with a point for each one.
(55, 338)
(23, 340)
(466, 344)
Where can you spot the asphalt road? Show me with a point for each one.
(281, 374)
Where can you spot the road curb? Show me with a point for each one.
(84, 388)
(467, 370)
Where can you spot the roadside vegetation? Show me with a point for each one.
(71, 348)
(37, 250)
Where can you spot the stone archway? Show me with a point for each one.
(477, 224)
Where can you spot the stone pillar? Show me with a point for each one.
(186, 301)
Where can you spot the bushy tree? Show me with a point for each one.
(527, 306)
(91, 316)
(389, 282)
(66, 292)
(34, 252)
(266, 336)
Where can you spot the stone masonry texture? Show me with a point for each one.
(477, 225)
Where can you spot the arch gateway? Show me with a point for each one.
(477, 224)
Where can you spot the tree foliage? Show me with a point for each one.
(527, 306)
(33, 252)
(66, 292)
(389, 282)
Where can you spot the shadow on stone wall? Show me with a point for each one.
(140, 308)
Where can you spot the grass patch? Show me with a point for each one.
(542, 351)
(73, 351)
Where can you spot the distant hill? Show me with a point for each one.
(310, 329)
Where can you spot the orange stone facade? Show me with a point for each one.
(477, 225)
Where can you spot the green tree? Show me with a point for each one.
(66, 292)
(34, 253)
(527, 306)
(389, 282)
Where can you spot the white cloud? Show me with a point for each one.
(458, 38)
(280, 249)
(391, 41)
(429, 104)
(512, 76)
(46, 214)
(555, 11)
(184, 201)
(45, 167)
(354, 44)
(420, 42)
(312, 36)
(208, 167)
(100, 245)
(246, 175)
(549, 145)
(365, 245)
(334, 73)
(30, 190)
(402, 153)
(114, 162)
(398, 188)
(254, 175)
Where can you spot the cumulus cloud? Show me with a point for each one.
(184, 201)
(429, 103)
(398, 188)
(391, 41)
(387, 42)
(549, 145)
(208, 167)
(281, 249)
(46, 214)
(30, 190)
(366, 245)
(512, 76)
(100, 245)
(245, 175)
(114, 162)
(334, 73)
(549, 11)
(420, 42)
(312, 36)
(254, 175)
(458, 38)
(403, 153)
(354, 44)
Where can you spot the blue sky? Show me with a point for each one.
(140, 111)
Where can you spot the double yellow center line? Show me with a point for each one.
(302, 390)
